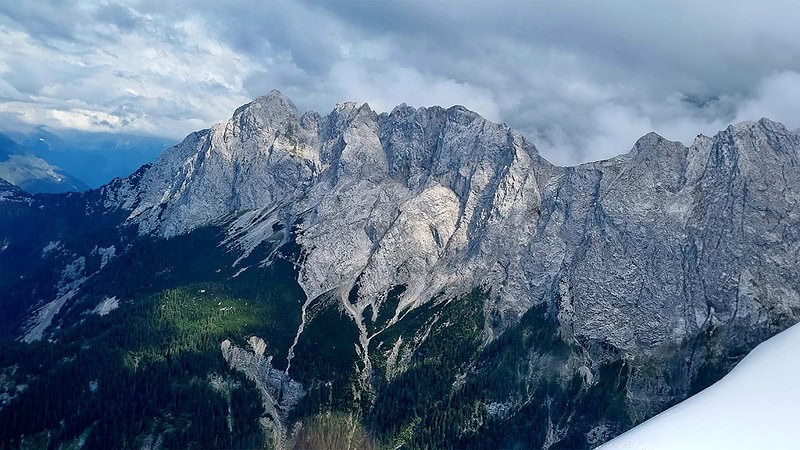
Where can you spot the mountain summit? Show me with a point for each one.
(424, 271)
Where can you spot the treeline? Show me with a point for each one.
(141, 375)
(443, 399)
(142, 371)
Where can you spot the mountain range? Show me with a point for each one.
(18, 165)
(93, 157)
(419, 279)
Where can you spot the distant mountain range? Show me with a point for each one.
(93, 157)
(31, 173)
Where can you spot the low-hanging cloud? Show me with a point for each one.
(582, 80)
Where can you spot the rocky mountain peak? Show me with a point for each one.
(764, 125)
(751, 138)
(271, 113)
(347, 115)
(755, 148)
(653, 145)
(273, 106)
(441, 199)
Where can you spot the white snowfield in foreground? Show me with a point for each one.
(753, 407)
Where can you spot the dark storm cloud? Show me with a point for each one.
(43, 20)
(564, 71)
(582, 79)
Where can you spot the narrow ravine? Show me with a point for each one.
(363, 338)
(303, 313)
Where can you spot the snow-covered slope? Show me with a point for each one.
(753, 407)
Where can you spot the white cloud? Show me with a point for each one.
(777, 97)
(582, 80)
(138, 82)
(391, 85)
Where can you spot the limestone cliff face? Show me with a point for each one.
(666, 239)
(637, 251)
(434, 199)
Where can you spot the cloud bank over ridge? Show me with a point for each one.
(582, 79)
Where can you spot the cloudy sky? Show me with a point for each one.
(582, 80)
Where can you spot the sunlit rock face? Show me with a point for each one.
(435, 199)
(636, 251)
